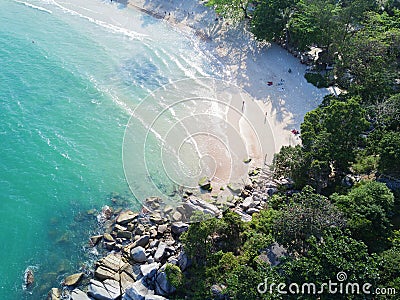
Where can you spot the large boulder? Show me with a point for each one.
(205, 183)
(77, 294)
(154, 297)
(113, 288)
(73, 279)
(109, 267)
(126, 216)
(142, 241)
(149, 270)
(198, 202)
(160, 252)
(179, 227)
(138, 254)
(163, 287)
(248, 203)
(29, 277)
(98, 291)
(183, 260)
(54, 294)
(137, 291)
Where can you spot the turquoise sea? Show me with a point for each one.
(70, 74)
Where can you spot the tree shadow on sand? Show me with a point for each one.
(252, 64)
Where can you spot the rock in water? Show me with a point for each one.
(205, 183)
(73, 279)
(54, 294)
(29, 278)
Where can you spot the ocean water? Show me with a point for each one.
(71, 73)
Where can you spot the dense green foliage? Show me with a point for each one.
(313, 230)
(339, 218)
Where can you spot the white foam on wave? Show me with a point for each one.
(34, 6)
(116, 29)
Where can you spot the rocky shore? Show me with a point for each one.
(143, 249)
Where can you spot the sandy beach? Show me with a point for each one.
(274, 95)
(251, 66)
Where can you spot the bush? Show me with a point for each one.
(174, 275)
(318, 80)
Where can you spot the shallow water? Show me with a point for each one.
(69, 78)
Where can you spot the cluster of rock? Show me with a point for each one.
(185, 210)
(140, 246)
(254, 196)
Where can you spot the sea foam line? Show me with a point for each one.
(34, 6)
(131, 34)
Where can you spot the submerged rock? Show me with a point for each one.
(73, 279)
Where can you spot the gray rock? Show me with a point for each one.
(98, 291)
(154, 244)
(271, 191)
(183, 261)
(252, 210)
(162, 228)
(150, 260)
(149, 270)
(217, 292)
(274, 253)
(95, 239)
(126, 216)
(73, 279)
(180, 209)
(126, 281)
(235, 187)
(179, 227)
(55, 294)
(163, 287)
(137, 291)
(154, 297)
(142, 241)
(160, 252)
(153, 233)
(168, 209)
(124, 234)
(138, 254)
(113, 288)
(77, 294)
(248, 203)
(205, 183)
(108, 238)
(245, 217)
(204, 204)
(176, 216)
(140, 229)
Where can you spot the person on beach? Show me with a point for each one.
(243, 106)
(265, 119)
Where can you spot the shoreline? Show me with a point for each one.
(248, 64)
(140, 246)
